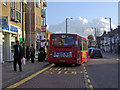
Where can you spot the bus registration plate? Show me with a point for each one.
(62, 54)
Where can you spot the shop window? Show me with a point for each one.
(15, 14)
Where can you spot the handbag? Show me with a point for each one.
(23, 61)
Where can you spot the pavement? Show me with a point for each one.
(9, 76)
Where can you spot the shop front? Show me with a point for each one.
(9, 36)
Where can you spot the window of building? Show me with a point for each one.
(15, 14)
(38, 3)
(5, 2)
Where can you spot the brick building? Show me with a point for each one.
(10, 27)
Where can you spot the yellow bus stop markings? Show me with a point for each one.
(28, 78)
(74, 72)
(87, 76)
(89, 81)
(59, 72)
(91, 87)
(66, 72)
(59, 69)
(65, 69)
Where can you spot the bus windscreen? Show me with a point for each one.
(63, 40)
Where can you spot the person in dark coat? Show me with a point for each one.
(27, 53)
(32, 53)
(41, 55)
(17, 56)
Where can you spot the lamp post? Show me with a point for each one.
(23, 28)
(30, 23)
(110, 35)
(66, 23)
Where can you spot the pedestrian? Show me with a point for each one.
(32, 53)
(17, 56)
(27, 53)
(42, 54)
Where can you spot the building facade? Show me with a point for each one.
(110, 41)
(34, 22)
(10, 28)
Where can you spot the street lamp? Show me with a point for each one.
(66, 22)
(110, 35)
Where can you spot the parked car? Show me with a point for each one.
(96, 53)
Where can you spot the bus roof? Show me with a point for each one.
(68, 34)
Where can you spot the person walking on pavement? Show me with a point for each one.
(32, 51)
(27, 53)
(17, 56)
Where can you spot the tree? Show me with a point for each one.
(90, 38)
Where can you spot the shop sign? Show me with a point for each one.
(6, 28)
(14, 29)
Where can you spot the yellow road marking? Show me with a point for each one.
(46, 72)
(84, 67)
(59, 72)
(85, 72)
(51, 68)
(81, 72)
(66, 72)
(89, 81)
(59, 69)
(68, 68)
(56, 68)
(74, 72)
(91, 87)
(65, 69)
(30, 77)
(87, 76)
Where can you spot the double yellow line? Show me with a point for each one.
(28, 78)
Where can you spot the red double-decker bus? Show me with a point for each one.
(68, 48)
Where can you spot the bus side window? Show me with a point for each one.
(79, 43)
